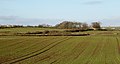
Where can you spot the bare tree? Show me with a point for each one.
(84, 26)
(96, 25)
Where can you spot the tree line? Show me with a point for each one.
(22, 26)
(78, 25)
(62, 25)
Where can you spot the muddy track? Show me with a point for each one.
(35, 53)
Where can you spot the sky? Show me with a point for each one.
(35, 12)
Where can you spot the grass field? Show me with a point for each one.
(97, 49)
(23, 30)
(101, 47)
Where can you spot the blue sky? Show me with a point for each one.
(34, 12)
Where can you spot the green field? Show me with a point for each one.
(23, 30)
(101, 47)
(60, 49)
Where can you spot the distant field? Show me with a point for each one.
(15, 30)
(24, 30)
(60, 50)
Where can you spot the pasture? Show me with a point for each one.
(60, 49)
(102, 47)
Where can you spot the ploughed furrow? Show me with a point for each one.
(38, 51)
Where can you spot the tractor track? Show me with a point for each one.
(53, 61)
(35, 53)
(74, 51)
(49, 55)
(93, 53)
(80, 53)
(118, 45)
(82, 46)
(13, 44)
(27, 54)
(96, 49)
(20, 56)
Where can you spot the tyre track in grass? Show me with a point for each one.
(44, 40)
(118, 48)
(105, 52)
(109, 51)
(53, 61)
(113, 43)
(23, 49)
(23, 55)
(81, 46)
(3, 42)
(8, 56)
(50, 55)
(48, 47)
(16, 43)
(57, 54)
(53, 55)
(118, 45)
(96, 50)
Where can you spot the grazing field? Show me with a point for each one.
(27, 29)
(60, 49)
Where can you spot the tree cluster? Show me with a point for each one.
(78, 25)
